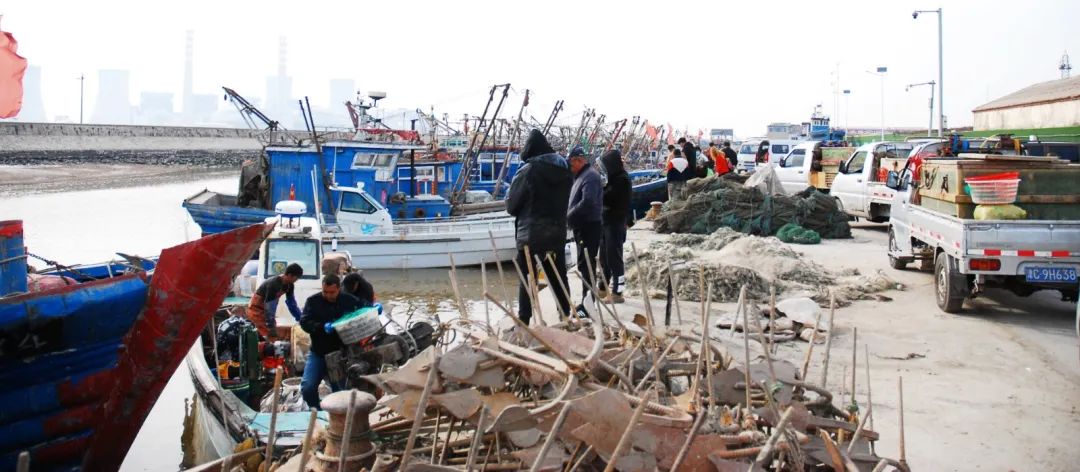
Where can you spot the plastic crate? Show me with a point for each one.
(358, 325)
(994, 189)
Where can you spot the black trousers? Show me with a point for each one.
(558, 254)
(588, 239)
(612, 256)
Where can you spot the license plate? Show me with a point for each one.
(1050, 274)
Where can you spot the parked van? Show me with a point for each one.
(773, 149)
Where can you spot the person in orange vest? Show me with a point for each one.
(262, 308)
(720, 163)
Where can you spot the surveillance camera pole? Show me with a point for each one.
(941, 73)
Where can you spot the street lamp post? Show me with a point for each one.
(941, 66)
(881, 70)
(82, 87)
(847, 111)
(930, 127)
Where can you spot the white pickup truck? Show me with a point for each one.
(1022, 256)
(810, 164)
(859, 187)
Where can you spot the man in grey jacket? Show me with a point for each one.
(584, 218)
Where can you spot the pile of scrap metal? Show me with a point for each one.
(583, 395)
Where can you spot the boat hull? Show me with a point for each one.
(92, 358)
(422, 246)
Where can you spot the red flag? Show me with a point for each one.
(670, 134)
(12, 67)
(650, 130)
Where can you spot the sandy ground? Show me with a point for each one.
(996, 390)
(21, 180)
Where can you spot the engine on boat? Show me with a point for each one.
(348, 366)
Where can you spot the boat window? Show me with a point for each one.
(356, 203)
(780, 148)
(855, 165)
(382, 160)
(795, 159)
(362, 160)
(282, 252)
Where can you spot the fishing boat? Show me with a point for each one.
(234, 370)
(85, 351)
(649, 185)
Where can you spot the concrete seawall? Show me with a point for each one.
(22, 137)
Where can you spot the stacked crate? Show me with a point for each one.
(1048, 188)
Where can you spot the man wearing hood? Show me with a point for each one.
(538, 198)
(584, 217)
(616, 219)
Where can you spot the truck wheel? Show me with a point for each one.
(950, 295)
(895, 262)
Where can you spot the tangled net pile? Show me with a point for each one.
(731, 260)
(717, 202)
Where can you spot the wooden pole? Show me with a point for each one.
(522, 325)
(498, 264)
(558, 281)
(273, 416)
(828, 339)
(708, 352)
(421, 407)
(477, 437)
(487, 307)
(772, 318)
(644, 286)
(810, 349)
(675, 288)
(305, 450)
(689, 440)
(533, 274)
(869, 394)
(624, 441)
(746, 347)
(854, 364)
(903, 450)
(771, 442)
(552, 434)
(346, 436)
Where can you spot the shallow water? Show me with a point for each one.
(85, 226)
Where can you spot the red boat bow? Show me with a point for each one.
(188, 285)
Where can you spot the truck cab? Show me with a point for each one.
(859, 186)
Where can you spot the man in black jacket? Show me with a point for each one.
(320, 312)
(731, 155)
(538, 198)
(584, 217)
(617, 219)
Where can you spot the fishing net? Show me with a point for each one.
(793, 233)
(716, 202)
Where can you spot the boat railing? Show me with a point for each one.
(463, 226)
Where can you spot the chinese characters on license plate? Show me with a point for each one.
(1050, 274)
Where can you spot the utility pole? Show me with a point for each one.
(82, 88)
(930, 127)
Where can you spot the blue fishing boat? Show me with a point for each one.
(649, 186)
(85, 351)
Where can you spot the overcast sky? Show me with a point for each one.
(701, 64)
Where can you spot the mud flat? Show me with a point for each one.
(24, 179)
